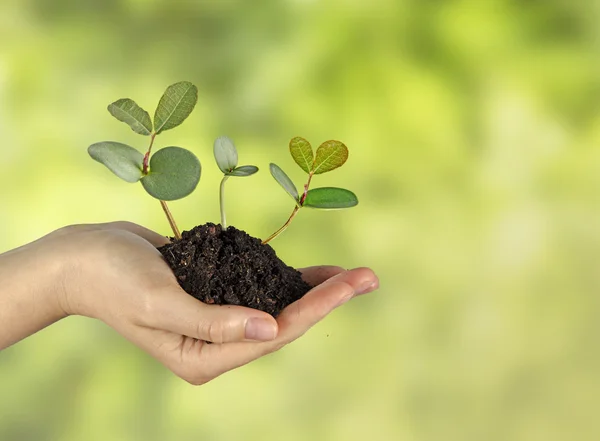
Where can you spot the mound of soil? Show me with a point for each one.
(231, 267)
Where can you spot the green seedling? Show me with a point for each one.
(172, 172)
(329, 156)
(227, 159)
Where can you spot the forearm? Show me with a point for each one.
(30, 300)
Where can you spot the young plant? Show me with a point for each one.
(227, 160)
(172, 172)
(329, 156)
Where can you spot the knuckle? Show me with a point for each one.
(215, 332)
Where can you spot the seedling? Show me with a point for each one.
(227, 160)
(218, 265)
(172, 172)
(329, 156)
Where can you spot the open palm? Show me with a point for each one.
(122, 280)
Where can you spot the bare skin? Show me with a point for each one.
(113, 272)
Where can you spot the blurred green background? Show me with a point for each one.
(474, 136)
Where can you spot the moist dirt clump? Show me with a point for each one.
(230, 267)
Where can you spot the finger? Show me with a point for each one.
(363, 287)
(315, 275)
(154, 238)
(175, 311)
(301, 315)
(293, 322)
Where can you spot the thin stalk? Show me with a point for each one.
(222, 201)
(298, 206)
(147, 155)
(303, 198)
(163, 204)
(283, 227)
(171, 220)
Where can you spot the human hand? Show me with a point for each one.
(113, 272)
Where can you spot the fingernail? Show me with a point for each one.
(260, 329)
(368, 287)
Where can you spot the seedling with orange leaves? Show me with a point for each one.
(329, 156)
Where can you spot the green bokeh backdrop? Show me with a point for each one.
(474, 137)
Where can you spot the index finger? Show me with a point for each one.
(315, 275)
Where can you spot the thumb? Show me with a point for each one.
(176, 311)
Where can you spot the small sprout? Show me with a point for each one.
(226, 157)
(172, 172)
(329, 156)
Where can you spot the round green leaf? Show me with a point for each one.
(174, 174)
(175, 106)
(243, 170)
(225, 154)
(127, 111)
(284, 181)
(330, 155)
(330, 198)
(302, 153)
(121, 159)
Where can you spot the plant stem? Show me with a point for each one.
(171, 220)
(222, 202)
(303, 198)
(147, 155)
(294, 213)
(163, 204)
(284, 226)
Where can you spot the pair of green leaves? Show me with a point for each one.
(174, 107)
(329, 156)
(226, 157)
(173, 172)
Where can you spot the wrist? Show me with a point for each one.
(47, 279)
(62, 261)
(30, 293)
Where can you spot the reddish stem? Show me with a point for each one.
(287, 223)
(147, 155)
(294, 213)
(303, 198)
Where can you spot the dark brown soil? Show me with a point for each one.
(234, 268)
